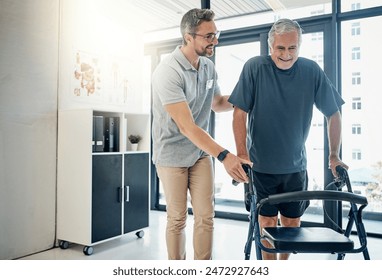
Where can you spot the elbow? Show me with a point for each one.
(334, 119)
(216, 107)
(183, 131)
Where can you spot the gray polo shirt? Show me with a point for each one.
(176, 80)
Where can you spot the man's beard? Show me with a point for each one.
(206, 52)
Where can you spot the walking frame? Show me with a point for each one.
(318, 239)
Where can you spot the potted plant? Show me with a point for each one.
(134, 140)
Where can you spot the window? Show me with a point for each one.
(229, 64)
(356, 29)
(356, 53)
(356, 78)
(352, 5)
(319, 59)
(356, 103)
(318, 12)
(361, 148)
(356, 129)
(317, 36)
(146, 88)
(313, 47)
(355, 6)
(356, 155)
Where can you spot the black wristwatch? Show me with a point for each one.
(222, 155)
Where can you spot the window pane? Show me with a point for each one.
(279, 9)
(229, 63)
(312, 47)
(363, 151)
(353, 5)
(146, 90)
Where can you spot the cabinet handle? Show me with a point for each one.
(119, 194)
(127, 193)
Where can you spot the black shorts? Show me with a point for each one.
(267, 184)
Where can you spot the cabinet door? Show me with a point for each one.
(106, 197)
(136, 205)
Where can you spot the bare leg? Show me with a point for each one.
(288, 222)
(267, 222)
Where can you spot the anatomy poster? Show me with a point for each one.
(87, 75)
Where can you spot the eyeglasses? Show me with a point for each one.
(210, 37)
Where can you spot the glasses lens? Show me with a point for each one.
(211, 37)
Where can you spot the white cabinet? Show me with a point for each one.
(102, 187)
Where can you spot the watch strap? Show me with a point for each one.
(222, 155)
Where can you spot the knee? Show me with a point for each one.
(176, 222)
(290, 222)
(267, 221)
(205, 222)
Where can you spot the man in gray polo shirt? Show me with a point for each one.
(185, 89)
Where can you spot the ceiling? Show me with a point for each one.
(166, 14)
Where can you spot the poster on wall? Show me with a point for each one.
(105, 80)
(87, 75)
(119, 81)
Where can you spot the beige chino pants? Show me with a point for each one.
(199, 181)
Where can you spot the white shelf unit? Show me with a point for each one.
(97, 191)
(138, 124)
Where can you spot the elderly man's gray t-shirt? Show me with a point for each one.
(176, 80)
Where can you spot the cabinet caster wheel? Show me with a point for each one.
(140, 234)
(88, 250)
(64, 244)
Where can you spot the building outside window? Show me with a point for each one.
(361, 139)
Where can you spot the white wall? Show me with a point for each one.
(28, 125)
(102, 33)
(39, 40)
